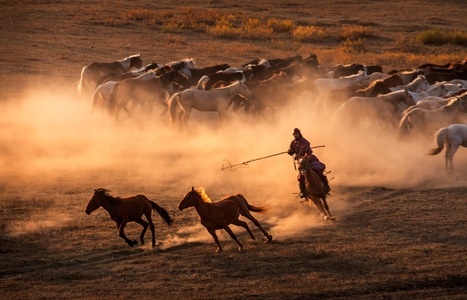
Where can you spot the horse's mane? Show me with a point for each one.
(202, 193)
(106, 193)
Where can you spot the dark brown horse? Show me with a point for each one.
(130, 209)
(219, 215)
(197, 73)
(315, 189)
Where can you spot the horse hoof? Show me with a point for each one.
(269, 237)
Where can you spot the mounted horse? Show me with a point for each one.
(219, 215)
(92, 73)
(130, 209)
(315, 188)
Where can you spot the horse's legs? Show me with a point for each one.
(214, 235)
(326, 207)
(233, 236)
(145, 227)
(449, 155)
(252, 219)
(318, 204)
(244, 225)
(121, 233)
(151, 227)
(185, 117)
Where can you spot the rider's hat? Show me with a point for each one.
(296, 131)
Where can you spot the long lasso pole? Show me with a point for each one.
(245, 163)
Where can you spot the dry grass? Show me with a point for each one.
(400, 219)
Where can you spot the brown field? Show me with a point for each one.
(401, 219)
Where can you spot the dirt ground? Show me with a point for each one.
(400, 217)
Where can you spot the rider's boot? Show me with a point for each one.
(327, 189)
(302, 186)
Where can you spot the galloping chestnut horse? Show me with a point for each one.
(315, 189)
(219, 215)
(131, 209)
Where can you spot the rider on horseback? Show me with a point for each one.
(302, 150)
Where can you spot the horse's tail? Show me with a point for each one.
(81, 85)
(440, 137)
(254, 208)
(162, 212)
(172, 106)
(404, 125)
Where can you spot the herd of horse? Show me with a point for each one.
(413, 102)
(419, 102)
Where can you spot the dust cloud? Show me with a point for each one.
(48, 134)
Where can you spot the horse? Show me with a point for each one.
(228, 77)
(205, 100)
(130, 209)
(453, 136)
(183, 66)
(430, 103)
(385, 109)
(197, 73)
(145, 91)
(351, 69)
(93, 72)
(419, 84)
(438, 90)
(129, 74)
(406, 76)
(324, 85)
(219, 215)
(427, 121)
(102, 97)
(315, 188)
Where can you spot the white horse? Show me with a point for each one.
(417, 85)
(452, 137)
(101, 97)
(425, 121)
(324, 85)
(385, 109)
(205, 100)
(438, 90)
(92, 73)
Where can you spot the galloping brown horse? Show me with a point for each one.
(131, 209)
(219, 215)
(315, 189)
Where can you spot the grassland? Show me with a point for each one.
(400, 229)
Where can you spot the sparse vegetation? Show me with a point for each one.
(443, 37)
(400, 225)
